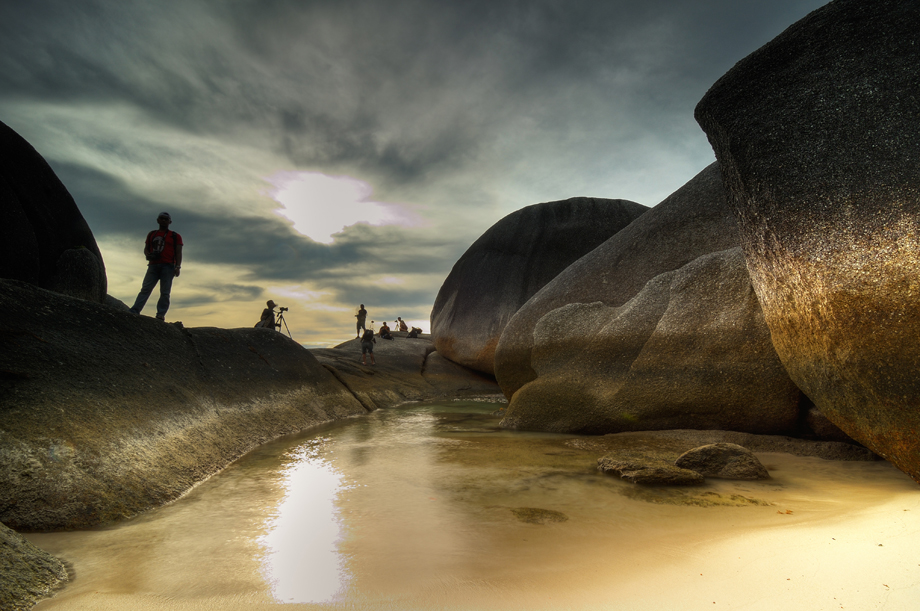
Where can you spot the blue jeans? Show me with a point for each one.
(157, 272)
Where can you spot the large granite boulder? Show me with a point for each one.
(690, 350)
(104, 414)
(509, 263)
(817, 134)
(45, 240)
(27, 574)
(693, 221)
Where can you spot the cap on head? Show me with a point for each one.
(164, 215)
(270, 303)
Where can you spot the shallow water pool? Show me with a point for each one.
(432, 506)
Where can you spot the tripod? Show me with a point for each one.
(280, 322)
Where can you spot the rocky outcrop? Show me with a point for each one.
(104, 414)
(45, 240)
(509, 263)
(674, 442)
(407, 369)
(723, 460)
(647, 470)
(694, 221)
(671, 457)
(654, 467)
(691, 350)
(817, 133)
(27, 574)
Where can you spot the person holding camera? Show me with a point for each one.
(163, 250)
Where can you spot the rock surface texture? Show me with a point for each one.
(817, 134)
(509, 263)
(407, 369)
(104, 414)
(724, 460)
(691, 350)
(694, 221)
(648, 470)
(45, 240)
(27, 574)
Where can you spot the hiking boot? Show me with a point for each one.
(160, 317)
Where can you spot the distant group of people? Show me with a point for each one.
(368, 338)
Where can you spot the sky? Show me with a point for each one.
(325, 154)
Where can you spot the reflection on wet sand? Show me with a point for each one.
(433, 506)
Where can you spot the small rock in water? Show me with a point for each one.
(724, 460)
(534, 515)
(647, 470)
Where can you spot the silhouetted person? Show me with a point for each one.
(367, 346)
(163, 250)
(268, 316)
(361, 316)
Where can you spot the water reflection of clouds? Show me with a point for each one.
(302, 560)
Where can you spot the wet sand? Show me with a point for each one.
(433, 507)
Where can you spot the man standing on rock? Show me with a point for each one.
(163, 250)
(362, 318)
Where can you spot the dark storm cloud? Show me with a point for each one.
(398, 89)
(216, 293)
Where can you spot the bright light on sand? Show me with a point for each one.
(321, 206)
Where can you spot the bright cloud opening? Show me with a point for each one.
(321, 206)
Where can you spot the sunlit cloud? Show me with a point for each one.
(315, 300)
(321, 206)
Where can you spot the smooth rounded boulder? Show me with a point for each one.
(693, 221)
(817, 134)
(509, 263)
(690, 350)
(723, 460)
(45, 239)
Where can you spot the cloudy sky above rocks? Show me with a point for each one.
(330, 153)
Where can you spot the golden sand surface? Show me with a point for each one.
(433, 507)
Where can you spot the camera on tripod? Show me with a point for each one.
(283, 309)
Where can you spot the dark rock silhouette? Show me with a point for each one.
(693, 221)
(46, 241)
(816, 134)
(512, 261)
